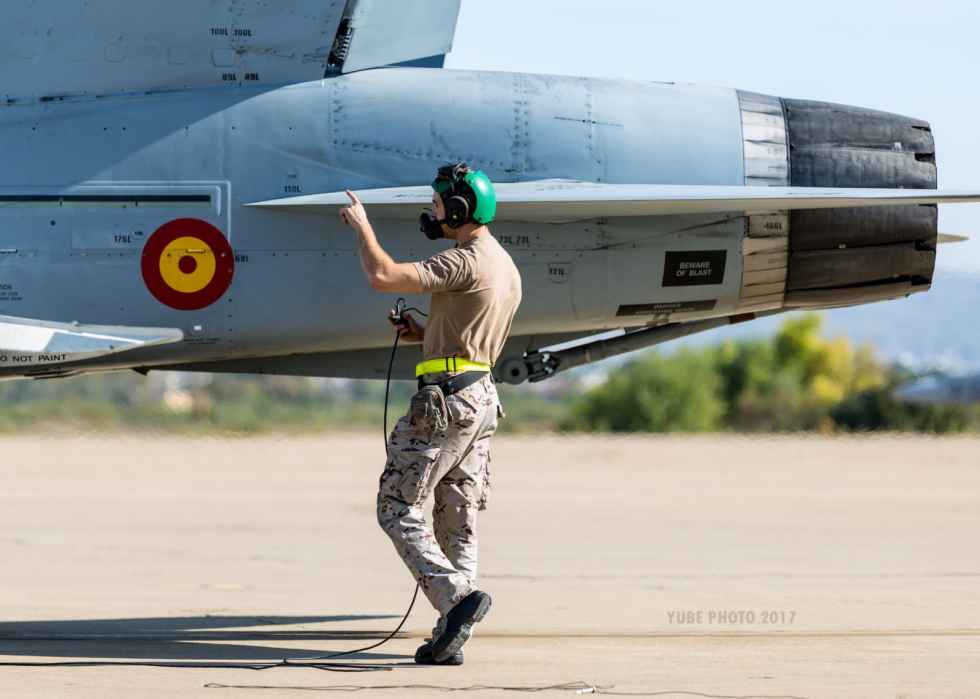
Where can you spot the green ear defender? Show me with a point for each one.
(468, 195)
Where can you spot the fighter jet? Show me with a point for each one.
(171, 175)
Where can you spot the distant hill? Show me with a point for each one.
(938, 329)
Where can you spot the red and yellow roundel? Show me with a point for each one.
(188, 264)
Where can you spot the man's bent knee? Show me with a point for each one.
(389, 514)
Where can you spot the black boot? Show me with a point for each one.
(423, 656)
(459, 625)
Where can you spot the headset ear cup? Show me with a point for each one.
(457, 211)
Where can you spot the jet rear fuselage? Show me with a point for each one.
(106, 203)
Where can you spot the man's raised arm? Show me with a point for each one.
(383, 273)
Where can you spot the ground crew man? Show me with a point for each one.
(441, 447)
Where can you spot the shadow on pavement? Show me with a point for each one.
(199, 638)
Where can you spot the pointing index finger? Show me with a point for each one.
(353, 197)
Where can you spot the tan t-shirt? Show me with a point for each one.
(476, 290)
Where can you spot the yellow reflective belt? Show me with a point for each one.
(449, 365)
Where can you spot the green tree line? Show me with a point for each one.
(794, 381)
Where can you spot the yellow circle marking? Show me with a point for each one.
(194, 248)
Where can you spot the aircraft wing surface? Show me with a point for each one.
(25, 342)
(50, 49)
(555, 201)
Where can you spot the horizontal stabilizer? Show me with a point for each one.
(555, 201)
(29, 343)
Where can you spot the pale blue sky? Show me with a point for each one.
(914, 58)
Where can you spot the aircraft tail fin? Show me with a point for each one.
(52, 50)
(376, 33)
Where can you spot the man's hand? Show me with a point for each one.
(354, 215)
(409, 330)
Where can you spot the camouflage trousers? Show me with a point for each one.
(450, 459)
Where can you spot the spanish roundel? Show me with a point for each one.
(188, 264)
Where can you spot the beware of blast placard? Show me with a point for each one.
(695, 268)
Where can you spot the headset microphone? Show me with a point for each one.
(431, 227)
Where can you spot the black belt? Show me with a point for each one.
(456, 383)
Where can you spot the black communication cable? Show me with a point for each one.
(397, 318)
(313, 662)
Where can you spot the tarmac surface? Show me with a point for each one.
(687, 567)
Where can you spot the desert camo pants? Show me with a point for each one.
(451, 461)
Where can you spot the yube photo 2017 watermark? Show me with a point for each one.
(731, 617)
